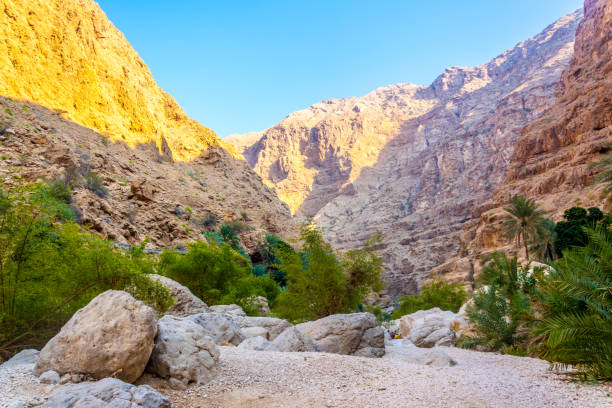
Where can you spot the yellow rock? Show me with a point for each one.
(67, 56)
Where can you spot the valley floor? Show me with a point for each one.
(272, 379)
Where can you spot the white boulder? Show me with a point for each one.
(257, 344)
(405, 351)
(185, 302)
(256, 332)
(433, 327)
(293, 340)
(220, 327)
(273, 325)
(232, 309)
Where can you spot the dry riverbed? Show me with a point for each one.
(272, 379)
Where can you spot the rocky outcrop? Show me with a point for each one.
(185, 302)
(109, 392)
(355, 334)
(433, 327)
(110, 337)
(272, 325)
(413, 162)
(183, 351)
(221, 328)
(293, 340)
(552, 159)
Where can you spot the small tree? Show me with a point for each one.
(524, 222)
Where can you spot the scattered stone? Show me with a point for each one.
(183, 351)
(273, 325)
(49, 377)
(356, 334)
(220, 327)
(433, 327)
(257, 344)
(228, 309)
(185, 302)
(256, 332)
(110, 337)
(293, 340)
(109, 392)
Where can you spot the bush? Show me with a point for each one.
(209, 220)
(95, 184)
(571, 232)
(48, 270)
(577, 297)
(446, 296)
(319, 283)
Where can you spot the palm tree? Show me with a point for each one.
(543, 247)
(523, 222)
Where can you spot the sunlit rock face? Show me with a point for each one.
(66, 55)
(410, 161)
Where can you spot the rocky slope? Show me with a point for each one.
(66, 55)
(412, 161)
(551, 161)
(75, 95)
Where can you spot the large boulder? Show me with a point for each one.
(293, 340)
(232, 309)
(355, 334)
(109, 392)
(433, 327)
(110, 337)
(257, 344)
(403, 350)
(273, 325)
(24, 357)
(220, 327)
(185, 302)
(256, 332)
(183, 351)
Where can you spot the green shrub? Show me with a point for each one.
(209, 220)
(48, 270)
(577, 297)
(319, 283)
(95, 184)
(446, 296)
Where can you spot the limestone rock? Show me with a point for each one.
(293, 340)
(220, 327)
(260, 304)
(257, 343)
(228, 309)
(356, 334)
(414, 162)
(143, 190)
(110, 337)
(49, 377)
(183, 351)
(273, 325)
(109, 392)
(407, 352)
(433, 327)
(24, 357)
(256, 332)
(185, 302)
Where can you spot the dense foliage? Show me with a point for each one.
(321, 283)
(446, 296)
(571, 232)
(49, 269)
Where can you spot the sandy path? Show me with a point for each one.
(270, 379)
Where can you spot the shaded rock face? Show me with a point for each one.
(410, 161)
(355, 334)
(552, 159)
(109, 392)
(110, 337)
(185, 302)
(183, 351)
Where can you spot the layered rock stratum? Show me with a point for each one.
(75, 96)
(552, 160)
(411, 161)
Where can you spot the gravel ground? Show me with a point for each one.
(271, 379)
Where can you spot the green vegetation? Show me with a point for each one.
(95, 184)
(49, 267)
(523, 222)
(562, 313)
(446, 296)
(321, 283)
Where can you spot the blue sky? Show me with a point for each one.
(239, 66)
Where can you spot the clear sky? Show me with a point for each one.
(239, 66)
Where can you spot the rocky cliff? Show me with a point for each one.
(413, 162)
(66, 55)
(75, 96)
(552, 159)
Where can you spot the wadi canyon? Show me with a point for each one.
(426, 166)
